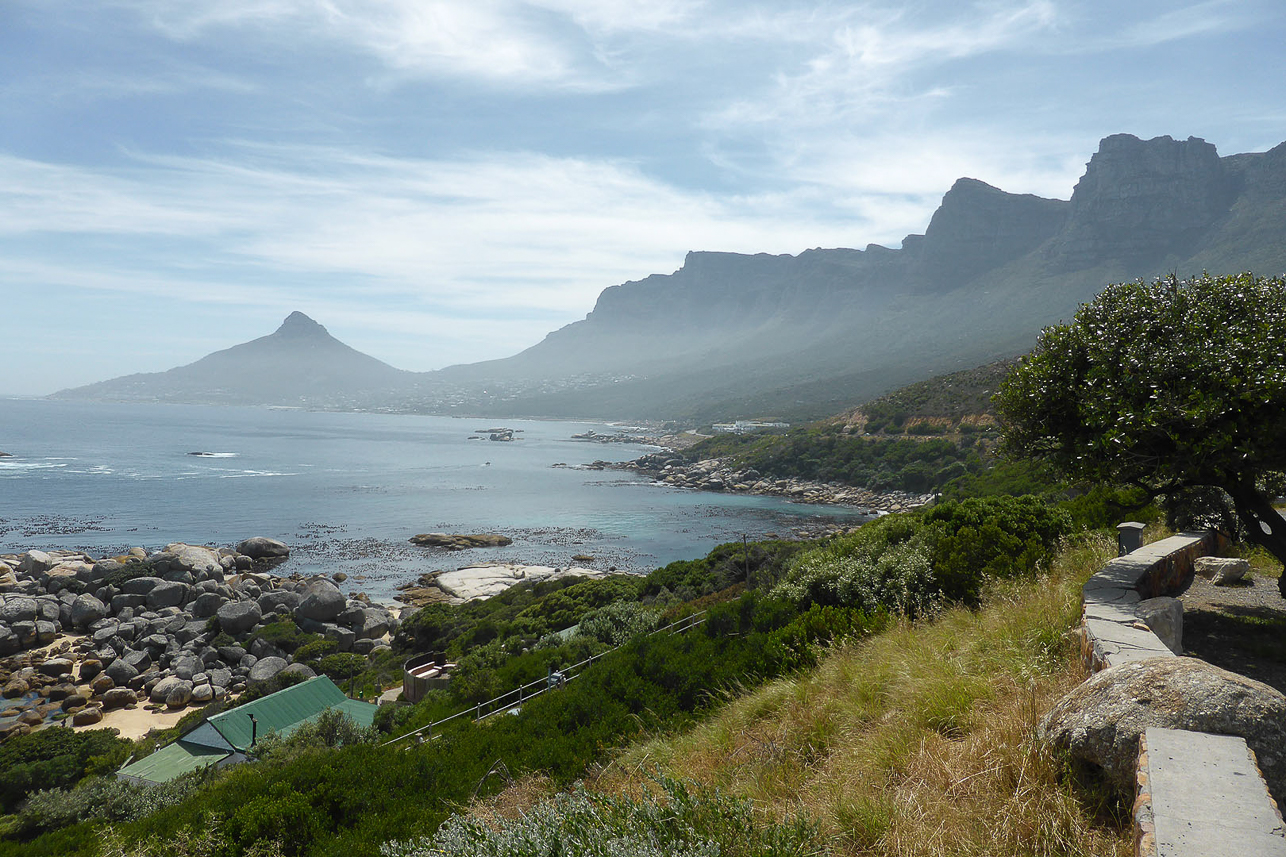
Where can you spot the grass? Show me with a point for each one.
(919, 741)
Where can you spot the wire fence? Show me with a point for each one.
(520, 695)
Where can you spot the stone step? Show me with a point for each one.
(1202, 795)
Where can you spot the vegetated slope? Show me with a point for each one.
(918, 438)
(732, 336)
(766, 618)
(916, 741)
(299, 364)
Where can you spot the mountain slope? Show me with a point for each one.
(731, 335)
(300, 364)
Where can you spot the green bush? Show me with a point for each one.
(678, 822)
(54, 758)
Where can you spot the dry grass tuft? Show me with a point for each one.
(516, 799)
(919, 741)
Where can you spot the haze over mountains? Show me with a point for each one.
(729, 335)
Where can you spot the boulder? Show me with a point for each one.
(207, 604)
(261, 648)
(188, 666)
(194, 561)
(270, 601)
(238, 617)
(461, 542)
(231, 654)
(168, 593)
(1221, 571)
(161, 691)
(140, 585)
(261, 547)
(1100, 721)
(322, 602)
(90, 668)
(86, 610)
(375, 623)
(343, 637)
(118, 697)
(102, 684)
(265, 669)
(302, 670)
(179, 696)
(87, 716)
(33, 563)
(46, 632)
(1164, 616)
(18, 609)
(9, 642)
(220, 677)
(14, 688)
(202, 693)
(55, 667)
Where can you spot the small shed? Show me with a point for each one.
(225, 737)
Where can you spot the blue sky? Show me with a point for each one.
(440, 182)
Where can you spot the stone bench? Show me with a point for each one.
(1202, 795)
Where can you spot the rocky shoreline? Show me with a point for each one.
(719, 474)
(81, 637)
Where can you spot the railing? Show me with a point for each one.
(520, 695)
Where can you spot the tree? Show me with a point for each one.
(1177, 387)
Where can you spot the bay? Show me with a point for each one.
(347, 490)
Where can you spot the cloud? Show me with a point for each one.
(505, 236)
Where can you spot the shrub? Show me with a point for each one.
(681, 823)
(54, 758)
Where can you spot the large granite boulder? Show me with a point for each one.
(35, 562)
(207, 604)
(19, 609)
(186, 562)
(271, 600)
(86, 610)
(118, 697)
(322, 602)
(266, 669)
(237, 617)
(140, 585)
(169, 593)
(161, 690)
(302, 670)
(1100, 721)
(261, 547)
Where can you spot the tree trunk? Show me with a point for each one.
(1264, 525)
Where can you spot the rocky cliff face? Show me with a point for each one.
(1143, 200)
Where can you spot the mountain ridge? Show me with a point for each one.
(731, 335)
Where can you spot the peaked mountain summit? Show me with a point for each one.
(298, 364)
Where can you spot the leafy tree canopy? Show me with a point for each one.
(1174, 386)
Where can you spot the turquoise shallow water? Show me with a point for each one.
(346, 491)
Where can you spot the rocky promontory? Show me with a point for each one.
(81, 636)
(482, 581)
(720, 474)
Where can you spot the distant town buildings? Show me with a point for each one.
(746, 426)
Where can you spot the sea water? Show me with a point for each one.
(347, 490)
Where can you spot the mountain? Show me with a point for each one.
(730, 335)
(299, 364)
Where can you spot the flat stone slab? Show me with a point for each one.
(1208, 798)
(1119, 643)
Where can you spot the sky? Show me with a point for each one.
(442, 182)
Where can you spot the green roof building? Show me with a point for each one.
(224, 738)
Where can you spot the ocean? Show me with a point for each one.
(347, 490)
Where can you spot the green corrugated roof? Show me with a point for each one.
(173, 761)
(279, 712)
(284, 711)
